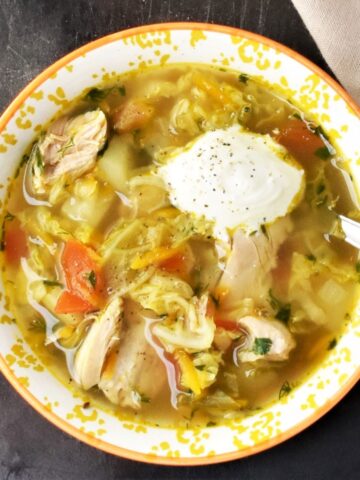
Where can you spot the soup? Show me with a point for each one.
(170, 245)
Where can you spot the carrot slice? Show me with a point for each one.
(70, 303)
(83, 275)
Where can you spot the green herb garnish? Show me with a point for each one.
(91, 276)
(39, 161)
(70, 143)
(24, 160)
(96, 95)
(297, 116)
(357, 266)
(311, 257)
(285, 390)
(332, 344)
(262, 346)
(323, 153)
(243, 78)
(283, 310)
(284, 313)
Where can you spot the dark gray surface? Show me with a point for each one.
(34, 33)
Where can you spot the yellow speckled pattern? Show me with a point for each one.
(103, 60)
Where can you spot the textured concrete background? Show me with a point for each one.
(34, 33)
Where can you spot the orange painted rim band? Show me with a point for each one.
(5, 369)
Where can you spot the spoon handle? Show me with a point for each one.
(351, 231)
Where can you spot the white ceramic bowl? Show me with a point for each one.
(289, 74)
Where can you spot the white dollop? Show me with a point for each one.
(235, 178)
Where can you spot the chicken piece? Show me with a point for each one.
(102, 336)
(266, 339)
(132, 115)
(70, 146)
(247, 272)
(134, 373)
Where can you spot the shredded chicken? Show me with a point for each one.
(70, 146)
(266, 339)
(252, 258)
(135, 373)
(103, 334)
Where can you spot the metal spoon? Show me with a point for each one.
(350, 230)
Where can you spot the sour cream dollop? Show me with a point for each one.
(235, 178)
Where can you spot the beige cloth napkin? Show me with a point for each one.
(335, 27)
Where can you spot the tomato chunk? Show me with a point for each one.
(15, 242)
(299, 140)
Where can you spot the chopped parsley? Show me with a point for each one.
(39, 161)
(284, 313)
(357, 266)
(91, 276)
(311, 257)
(243, 78)
(284, 390)
(24, 160)
(332, 344)
(283, 310)
(96, 95)
(323, 153)
(297, 116)
(69, 144)
(262, 346)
